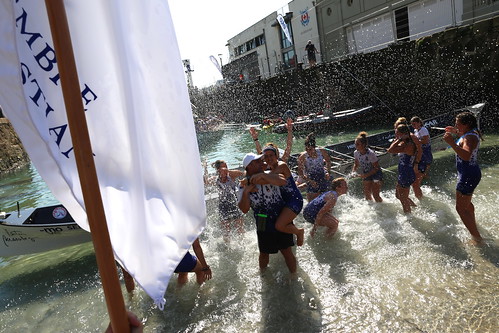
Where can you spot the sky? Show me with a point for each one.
(204, 27)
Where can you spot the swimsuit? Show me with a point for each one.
(312, 209)
(292, 195)
(406, 170)
(468, 172)
(427, 156)
(366, 163)
(227, 200)
(187, 263)
(314, 170)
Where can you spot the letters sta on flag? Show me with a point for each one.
(137, 109)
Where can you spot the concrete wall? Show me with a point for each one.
(447, 70)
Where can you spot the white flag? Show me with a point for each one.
(284, 27)
(139, 119)
(215, 62)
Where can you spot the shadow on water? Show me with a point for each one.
(443, 237)
(214, 306)
(289, 303)
(69, 276)
(489, 250)
(386, 218)
(338, 254)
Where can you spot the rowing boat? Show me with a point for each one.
(322, 123)
(39, 230)
(342, 153)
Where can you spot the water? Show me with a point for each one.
(382, 272)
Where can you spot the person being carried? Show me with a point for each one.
(193, 263)
(369, 171)
(468, 170)
(406, 149)
(261, 192)
(225, 182)
(318, 211)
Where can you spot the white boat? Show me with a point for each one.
(39, 230)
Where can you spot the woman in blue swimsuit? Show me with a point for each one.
(404, 146)
(313, 166)
(468, 170)
(318, 211)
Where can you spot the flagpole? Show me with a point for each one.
(85, 163)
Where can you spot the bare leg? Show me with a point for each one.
(376, 187)
(239, 225)
(331, 223)
(367, 189)
(466, 211)
(285, 224)
(129, 282)
(263, 260)
(416, 186)
(404, 198)
(290, 259)
(182, 278)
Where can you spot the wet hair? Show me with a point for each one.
(469, 119)
(403, 128)
(310, 140)
(401, 120)
(218, 163)
(273, 145)
(362, 137)
(416, 119)
(337, 183)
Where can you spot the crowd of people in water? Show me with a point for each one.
(274, 193)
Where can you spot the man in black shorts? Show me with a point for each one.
(261, 193)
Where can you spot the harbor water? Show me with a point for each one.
(383, 271)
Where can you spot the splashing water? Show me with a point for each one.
(382, 272)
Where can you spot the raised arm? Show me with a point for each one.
(469, 144)
(289, 140)
(254, 135)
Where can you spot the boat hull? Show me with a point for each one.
(27, 234)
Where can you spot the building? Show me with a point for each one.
(340, 28)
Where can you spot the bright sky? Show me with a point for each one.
(204, 27)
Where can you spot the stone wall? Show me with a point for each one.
(425, 77)
(12, 153)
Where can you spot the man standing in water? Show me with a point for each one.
(262, 194)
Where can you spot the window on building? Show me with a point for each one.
(289, 59)
(284, 41)
(402, 23)
(260, 40)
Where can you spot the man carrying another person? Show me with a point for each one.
(261, 192)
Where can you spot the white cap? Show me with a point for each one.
(250, 157)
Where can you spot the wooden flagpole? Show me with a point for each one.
(86, 168)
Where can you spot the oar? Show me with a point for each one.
(438, 128)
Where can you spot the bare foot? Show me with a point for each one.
(300, 237)
(476, 241)
(129, 282)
